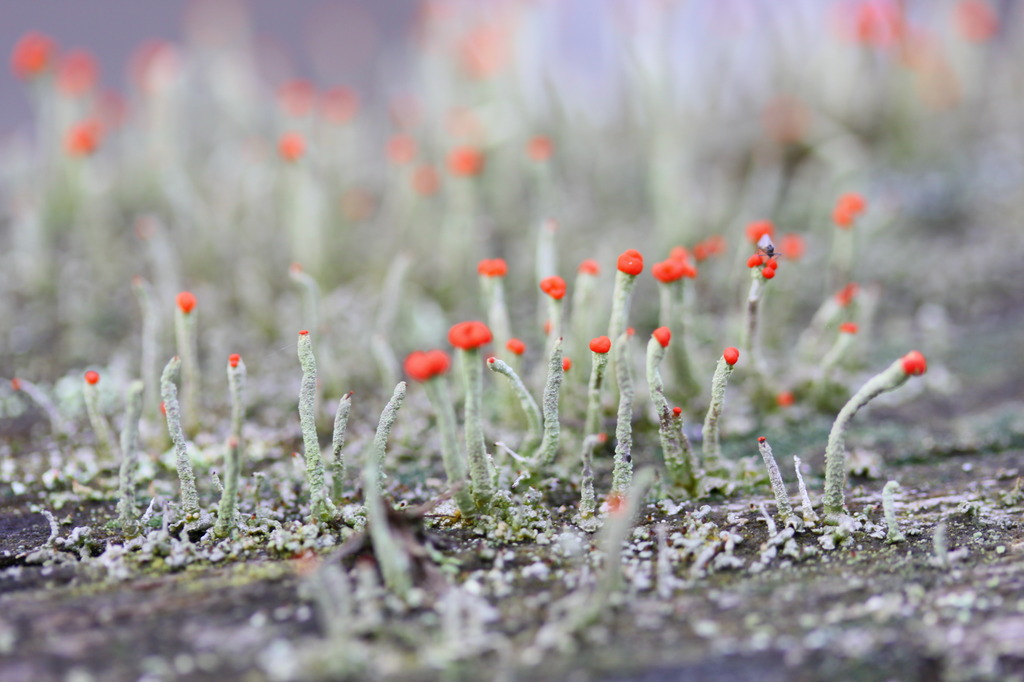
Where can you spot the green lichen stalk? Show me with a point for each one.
(775, 477)
(387, 420)
(236, 389)
(835, 451)
(622, 469)
(476, 447)
(320, 506)
(150, 333)
(186, 477)
(592, 422)
(338, 445)
(711, 447)
(675, 446)
(185, 335)
(454, 463)
(127, 511)
(100, 426)
(534, 418)
(586, 517)
(624, 284)
(229, 496)
(549, 443)
(893, 533)
(393, 561)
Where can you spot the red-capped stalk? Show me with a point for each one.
(554, 288)
(236, 389)
(185, 336)
(127, 511)
(759, 275)
(630, 265)
(320, 505)
(622, 468)
(310, 296)
(778, 485)
(711, 447)
(149, 370)
(583, 315)
(534, 418)
(172, 411)
(891, 378)
(492, 285)
(391, 557)
(585, 516)
(675, 446)
(39, 397)
(599, 348)
(468, 337)
(338, 445)
(840, 350)
(105, 446)
(229, 496)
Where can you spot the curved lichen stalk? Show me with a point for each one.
(549, 443)
(534, 418)
(622, 469)
(675, 446)
(186, 477)
(320, 505)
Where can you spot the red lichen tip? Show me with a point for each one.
(630, 262)
(589, 267)
(846, 295)
(234, 359)
(491, 360)
(492, 267)
(401, 149)
(425, 365)
(83, 138)
(847, 208)
(465, 162)
(768, 273)
(291, 146)
(785, 399)
(32, 55)
(792, 246)
(566, 364)
(540, 148)
(77, 73)
(757, 260)
(671, 270)
(602, 437)
(677, 411)
(425, 180)
(976, 20)
(758, 229)
(731, 355)
(914, 363)
(711, 246)
(304, 332)
(516, 346)
(163, 408)
(186, 301)
(679, 253)
(663, 335)
(553, 286)
(15, 384)
(92, 377)
(601, 344)
(762, 439)
(630, 331)
(469, 335)
(848, 328)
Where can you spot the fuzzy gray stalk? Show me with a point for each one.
(186, 477)
(101, 427)
(320, 505)
(229, 496)
(622, 469)
(476, 448)
(775, 477)
(185, 335)
(586, 517)
(592, 423)
(893, 534)
(675, 446)
(454, 462)
(236, 389)
(711, 447)
(534, 418)
(549, 444)
(391, 557)
(338, 445)
(807, 509)
(127, 511)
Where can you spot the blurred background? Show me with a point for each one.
(383, 148)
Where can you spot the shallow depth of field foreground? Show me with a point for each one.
(550, 340)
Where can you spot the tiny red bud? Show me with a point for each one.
(768, 273)
(848, 327)
(630, 331)
(589, 267)
(516, 346)
(15, 384)
(304, 332)
(663, 335)
(186, 301)
(631, 262)
(677, 411)
(758, 229)
(291, 146)
(846, 295)
(92, 377)
(785, 399)
(553, 286)
(761, 439)
(731, 355)
(547, 327)
(492, 267)
(602, 437)
(163, 408)
(914, 363)
(566, 364)
(469, 335)
(670, 270)
(465, 162)
(540, 148)
(601, 344)
(792, 246)
(234, 359)
(421, 366)
(755, 261)
(679, 253)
